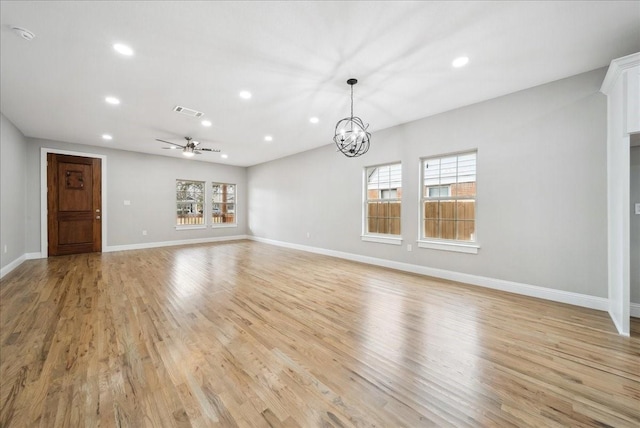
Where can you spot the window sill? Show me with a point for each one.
(471, 248)
(223, 225)
(191, 227)
(392, 240)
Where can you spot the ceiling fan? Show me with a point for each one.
(190, 149)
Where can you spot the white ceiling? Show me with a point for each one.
(295, 58)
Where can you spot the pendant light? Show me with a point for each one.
(351, 136)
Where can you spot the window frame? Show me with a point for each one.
(381, 238)
(461, 246)
(203, 225)
(235, 204)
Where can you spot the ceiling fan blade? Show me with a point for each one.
(204, 149)
(169, 142)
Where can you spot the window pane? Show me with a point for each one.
(394, 209)
(383, 191)
(431, 229)
(437, 191)
(466, 209)
(465, 230)
(447, 210)
(223, 203)
(383, 225)
(189, 202)
(372, 209)
(394, 226)
(372, 225)
(431, 209)
(431, 172)
(447, 229)
(449, 197)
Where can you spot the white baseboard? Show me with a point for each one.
(32, 256)
(577, 299)
(11, 266)
(146, 245)
(634, 310)
(621, 330)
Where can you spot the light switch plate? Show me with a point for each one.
(638, 209)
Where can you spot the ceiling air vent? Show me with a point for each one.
(188, 112)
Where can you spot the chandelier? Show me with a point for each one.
(351, 136)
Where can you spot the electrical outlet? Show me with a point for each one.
(144, 232)
(409, 247)
(127, 202)
(308, 235)
(638, 209)
(5, 249)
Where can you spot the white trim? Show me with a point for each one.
(393, 240)
(17, 262)
(634, 309)
(616, 68)
(223, 225)
(33, 256)
(146, 245)
(577, 299)
(11, 266)
(44, 250)
(449, 246)
(621, 330)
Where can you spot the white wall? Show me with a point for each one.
(635, 225)
(148, 182)
(541, 215)
(12, 193)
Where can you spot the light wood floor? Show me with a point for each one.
(247, 334)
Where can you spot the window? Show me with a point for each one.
(448, 199)
(223, 204)
(435, 191)
(189, 203)
(382, 207)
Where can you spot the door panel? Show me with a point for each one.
(74, 194)
(74, 201)
(75, 232)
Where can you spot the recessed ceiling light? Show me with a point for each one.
(460, 62)
(224, 156)
(314, 120)
(123, 49)
(206, 123)
(107, 137)
(268, 138)
(245, 95)
(112, 100)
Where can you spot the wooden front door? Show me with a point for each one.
(74, 203)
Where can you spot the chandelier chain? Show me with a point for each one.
(352, 101)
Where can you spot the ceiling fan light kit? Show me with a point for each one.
(351, 136)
